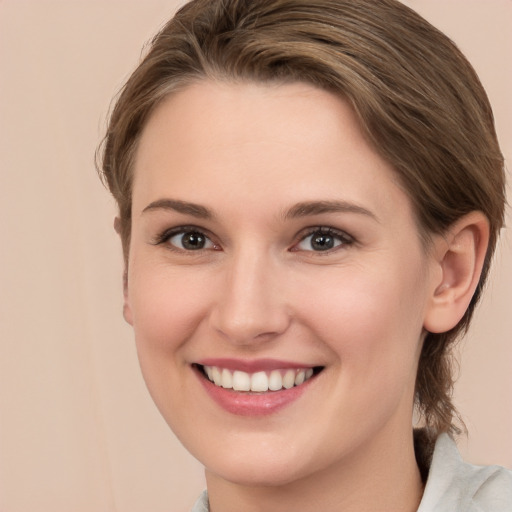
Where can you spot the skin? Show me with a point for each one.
(249, 153)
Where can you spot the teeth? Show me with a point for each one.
(289, 379)
(259, 382)
(217, 378)
(275, 381)
(226, 379)
(241, 381)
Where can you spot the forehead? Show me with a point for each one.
(253, 142)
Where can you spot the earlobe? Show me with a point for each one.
(460, 255)
(117, 225)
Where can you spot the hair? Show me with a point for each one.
(417, 98)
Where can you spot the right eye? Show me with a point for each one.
(190, 241)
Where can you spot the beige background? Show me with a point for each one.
(78, 431)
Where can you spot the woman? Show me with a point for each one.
(309, 198)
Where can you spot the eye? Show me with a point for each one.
(186, 239)
(323, 239)
(191, 241)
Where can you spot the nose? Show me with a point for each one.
(250, 307)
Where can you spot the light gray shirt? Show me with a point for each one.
(452, 484)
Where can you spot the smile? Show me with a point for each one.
(258, 382)
(254, 388)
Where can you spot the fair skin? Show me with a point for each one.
(267, 234)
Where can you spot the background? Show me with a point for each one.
(78, 431)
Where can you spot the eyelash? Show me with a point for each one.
(344, 239)
(166, 235)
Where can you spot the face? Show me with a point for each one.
(274, 253)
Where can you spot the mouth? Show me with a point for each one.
(257, 382)
(276, 380)
(257, 387)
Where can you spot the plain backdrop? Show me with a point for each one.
(78, 431)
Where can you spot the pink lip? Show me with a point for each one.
(253, 365)
(252, 404)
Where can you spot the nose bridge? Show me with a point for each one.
(250, 303)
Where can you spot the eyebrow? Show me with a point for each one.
(307, 208)
(303, 209)
(196, 210)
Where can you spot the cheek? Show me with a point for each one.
(372, 320)
(167, 307)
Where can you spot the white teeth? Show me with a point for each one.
(241, 381)
(216, 376)
(259, 382)
(275, 381)
(289, 379)
(226, 379)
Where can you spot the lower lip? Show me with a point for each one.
(252, 404)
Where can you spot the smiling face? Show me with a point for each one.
(272, 247)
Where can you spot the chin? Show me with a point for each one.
(259, 475)
(272, 467)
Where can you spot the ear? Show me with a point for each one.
(127, 309)
(459, 257)
(117, 225)
(127, 312)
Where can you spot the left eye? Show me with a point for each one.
(322, 240)
(191, 241)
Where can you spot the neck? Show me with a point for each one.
(383, 477)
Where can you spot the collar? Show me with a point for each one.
(456, 486)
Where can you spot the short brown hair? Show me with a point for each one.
(418, 100)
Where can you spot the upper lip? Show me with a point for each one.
(253, 365)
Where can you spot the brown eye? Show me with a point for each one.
(191, 241)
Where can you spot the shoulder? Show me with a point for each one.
(456, 486)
